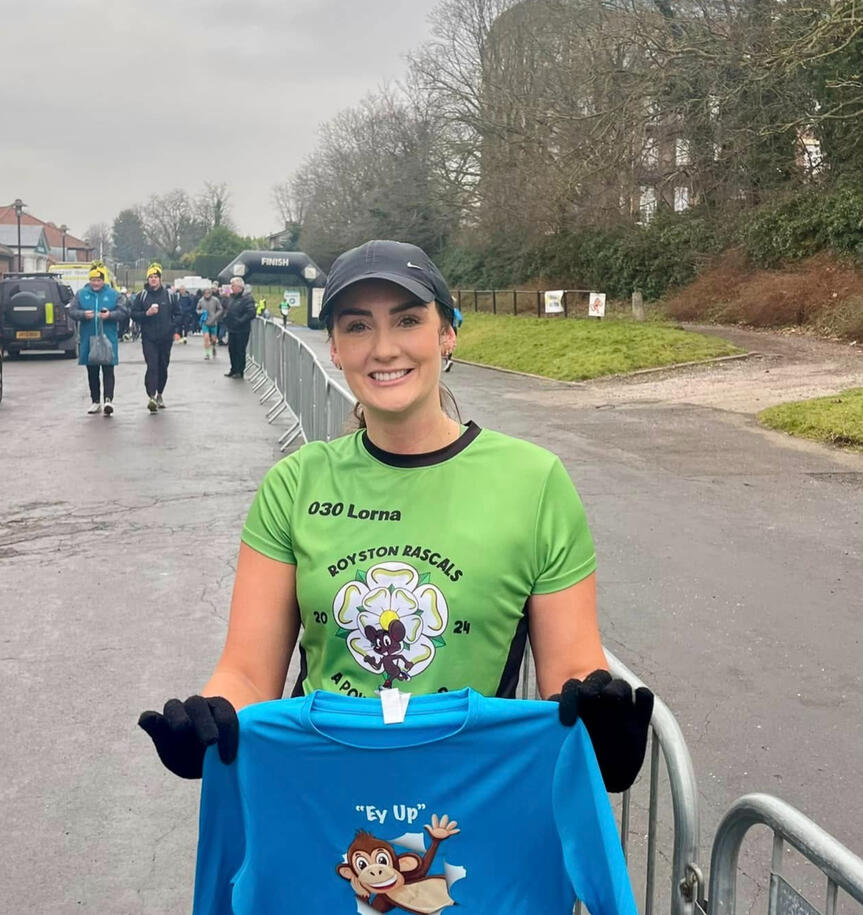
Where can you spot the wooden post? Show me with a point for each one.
(538, 303)
(475, 305)
(494, 301)
(637, 305)
(514, 302)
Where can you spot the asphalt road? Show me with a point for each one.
(730, 580)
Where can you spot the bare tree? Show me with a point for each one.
(166, 219)
(371, 176)
(98, 237)
(290, 199)
(212, 206)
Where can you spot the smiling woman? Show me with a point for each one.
(491, 546)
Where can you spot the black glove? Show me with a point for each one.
(184, 730)
(617, 725)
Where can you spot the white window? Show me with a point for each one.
(681, 152)
(813, 159)
(647, 203)
(650, 153)
(681, 199)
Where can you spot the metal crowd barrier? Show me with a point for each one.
(841, 867)
(666, 739)
(285, 368)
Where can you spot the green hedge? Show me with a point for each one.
(668, 252)
(616, 260)
(799, 226)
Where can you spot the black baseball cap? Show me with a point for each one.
(399, 262)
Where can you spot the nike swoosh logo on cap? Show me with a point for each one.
(415, 266)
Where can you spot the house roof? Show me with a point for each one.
(53, 234)
(32, 237)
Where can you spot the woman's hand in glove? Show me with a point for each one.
(184, 730)
(617, 725)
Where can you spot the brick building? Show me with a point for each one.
(76, 249)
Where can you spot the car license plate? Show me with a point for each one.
(28, 334)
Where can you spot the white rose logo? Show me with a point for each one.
(392, 620)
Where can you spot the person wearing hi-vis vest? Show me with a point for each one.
(97, 308)
(419, 551)
(157, 312)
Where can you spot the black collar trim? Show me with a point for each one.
(422, 460)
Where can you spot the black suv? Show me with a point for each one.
(33, 314)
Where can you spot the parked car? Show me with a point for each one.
(33, 314)
(1, 373)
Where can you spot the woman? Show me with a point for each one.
(210, 313)
(98, 308)
(352, 540)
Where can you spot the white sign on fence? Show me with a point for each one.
(554, 302)
(596, 305)
(292, 298)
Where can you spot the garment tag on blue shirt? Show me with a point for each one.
(394, 704)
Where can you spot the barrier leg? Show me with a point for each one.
(268, 393)
(293, 432)
(275, 411)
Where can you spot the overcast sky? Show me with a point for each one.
(103, 102)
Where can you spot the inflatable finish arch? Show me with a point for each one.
(271, 267)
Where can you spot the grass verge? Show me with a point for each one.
(574, 349)
(836, 420)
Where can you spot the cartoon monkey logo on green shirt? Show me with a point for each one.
(392, 620)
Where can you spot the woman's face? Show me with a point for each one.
(389, 346)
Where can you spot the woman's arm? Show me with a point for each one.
(564, 635)
(76, 313)
(262, 631)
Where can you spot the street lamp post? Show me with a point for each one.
(64, 229)
(18, 206)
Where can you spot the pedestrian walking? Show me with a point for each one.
(125, 322)
(157, 311)
(186, 324)
(452, 604)
(239, 314)
(210, 312)
(98, 308)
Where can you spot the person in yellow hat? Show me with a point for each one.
(97, 308)
(157, 312)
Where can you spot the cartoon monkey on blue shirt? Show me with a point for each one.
(398, 881)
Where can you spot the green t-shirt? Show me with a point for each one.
(415, 569)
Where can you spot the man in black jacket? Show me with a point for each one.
(156, 311)
(238, 319)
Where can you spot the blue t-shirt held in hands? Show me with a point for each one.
(489, 805)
